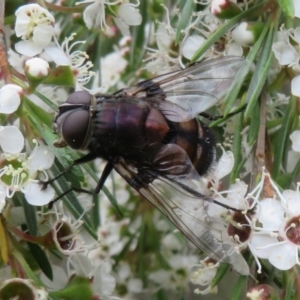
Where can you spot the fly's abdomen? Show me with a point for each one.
(198, 142)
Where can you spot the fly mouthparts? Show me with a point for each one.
(60, 143)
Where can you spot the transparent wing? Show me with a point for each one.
(183, 205)
(191, 90)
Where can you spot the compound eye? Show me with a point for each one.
(75, 128)
(80, 97)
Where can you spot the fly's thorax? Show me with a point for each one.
(74, 121)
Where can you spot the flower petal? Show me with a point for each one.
(124, 28)
(2, 197)
(11, 139)
(57, 55)
(295, 83)
(28, 48)
(36, 196)
(41, 158)
(270, 214)
(191, 45)
(283, 257)
(9, 98)
(130, 15)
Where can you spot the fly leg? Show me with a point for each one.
(214, 118)
(78, 161)
(108, 168)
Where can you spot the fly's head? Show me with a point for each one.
(73, 122)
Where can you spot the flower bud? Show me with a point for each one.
(246, 33)
(224, 9)
(263, 292)
(36, 70)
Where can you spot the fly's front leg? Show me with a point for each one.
(107, 170)
(78, 161)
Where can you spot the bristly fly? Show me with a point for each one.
(150, 134)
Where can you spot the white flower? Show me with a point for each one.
(277, 239)
(10, 98)
(191, 45)
(103, 283)
(295, 86)
(34, 24)
(112, 65)
(94, 14)
(295, 138)
(204, 276)
(135, 285)
(128, 15)
(171, 243)
(233, 49)
(243, 36)
(18, 172)
(124, 16)
(286, 50)
(77, 60)
(224, 165)
(37, 67)
(160, 59)
(218, 5)
(297, 8)
(285, 53)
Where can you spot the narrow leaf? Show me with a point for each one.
(184, 19)
(261, 72)
(282, 137)
(3, 243)
(287, 7)
(41, 259)
(30, 216)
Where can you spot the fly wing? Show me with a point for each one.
(191, 90)
(179, 198)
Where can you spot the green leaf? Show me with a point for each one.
(30, 215)
(282, 137)
(47, 101)
(61, 76)
(261, 72)
(71, 201)
(239, 79)
(45, 119)
(41, 258)
(239, 288)
(30, 274)
(254, 124)
(222, 269)
(287, 7)
(78, 288)
(184, 19)
(111, 198)
(237, 147)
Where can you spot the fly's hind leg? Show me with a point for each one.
(214, 118)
